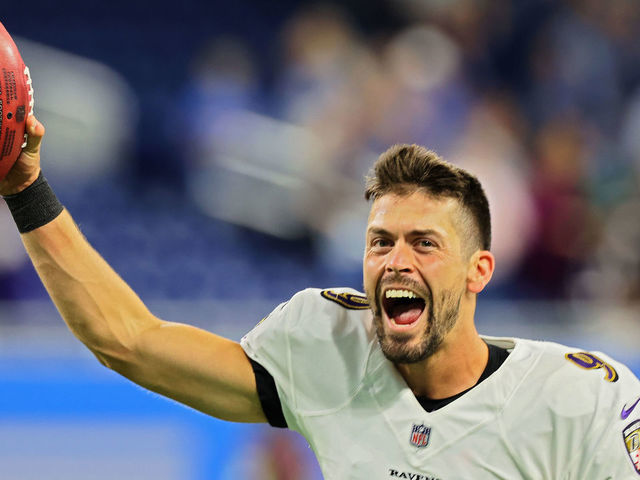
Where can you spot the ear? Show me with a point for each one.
(481, 266)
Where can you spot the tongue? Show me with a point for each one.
(406, 314)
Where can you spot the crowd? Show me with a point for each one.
(540, 98)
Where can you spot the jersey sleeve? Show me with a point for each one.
(267, 346)
(611, 449)
(268, 395)
(316, 348)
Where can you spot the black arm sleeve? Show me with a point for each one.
(268, 395)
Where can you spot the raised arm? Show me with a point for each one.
(190, 365)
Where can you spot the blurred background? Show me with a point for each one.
(214, 153)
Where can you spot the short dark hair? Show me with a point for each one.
(404, 166)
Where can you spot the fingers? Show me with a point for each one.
(35, 132)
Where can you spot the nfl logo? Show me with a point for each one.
(420, 435)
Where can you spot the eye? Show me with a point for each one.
(425, 243)
(381, 243)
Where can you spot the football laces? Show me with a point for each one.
(31, 100)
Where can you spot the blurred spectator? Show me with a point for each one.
(613, 272)
(275, 455)
(90, 113)
(427, 99)
(573, 69)
(490, 147)
(327, 84)
(565, 237)
(223, 79)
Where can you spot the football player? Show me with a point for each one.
(396, 383)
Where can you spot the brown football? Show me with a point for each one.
(16, 102)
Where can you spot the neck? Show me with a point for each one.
(454, 368)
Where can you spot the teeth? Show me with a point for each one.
(400, 294)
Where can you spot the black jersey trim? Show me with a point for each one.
(268, 394)
(497, 356)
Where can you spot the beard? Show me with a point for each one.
(442, 315)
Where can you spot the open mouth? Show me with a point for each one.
(402, 306)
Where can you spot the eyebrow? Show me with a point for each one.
(378, 231)
(412, 233)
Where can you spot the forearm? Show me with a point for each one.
(195, 367)
(97, 305)
(185, 363)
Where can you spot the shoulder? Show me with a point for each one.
(341, 298)
(570, 404)
(321, 309)
(325, 312)
(345, 298)
(574, 382)
(597, 396)
(335, 311)
(331, 328)
(594, 369)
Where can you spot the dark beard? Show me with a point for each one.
(441, 319)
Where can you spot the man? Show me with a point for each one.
(394, 384)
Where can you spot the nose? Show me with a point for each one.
(400, 259)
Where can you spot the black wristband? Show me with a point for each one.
(35, 206)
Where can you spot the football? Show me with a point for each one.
(16, 102)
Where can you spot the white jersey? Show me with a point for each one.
(549, 412)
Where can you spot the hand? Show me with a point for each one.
(27, 167)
